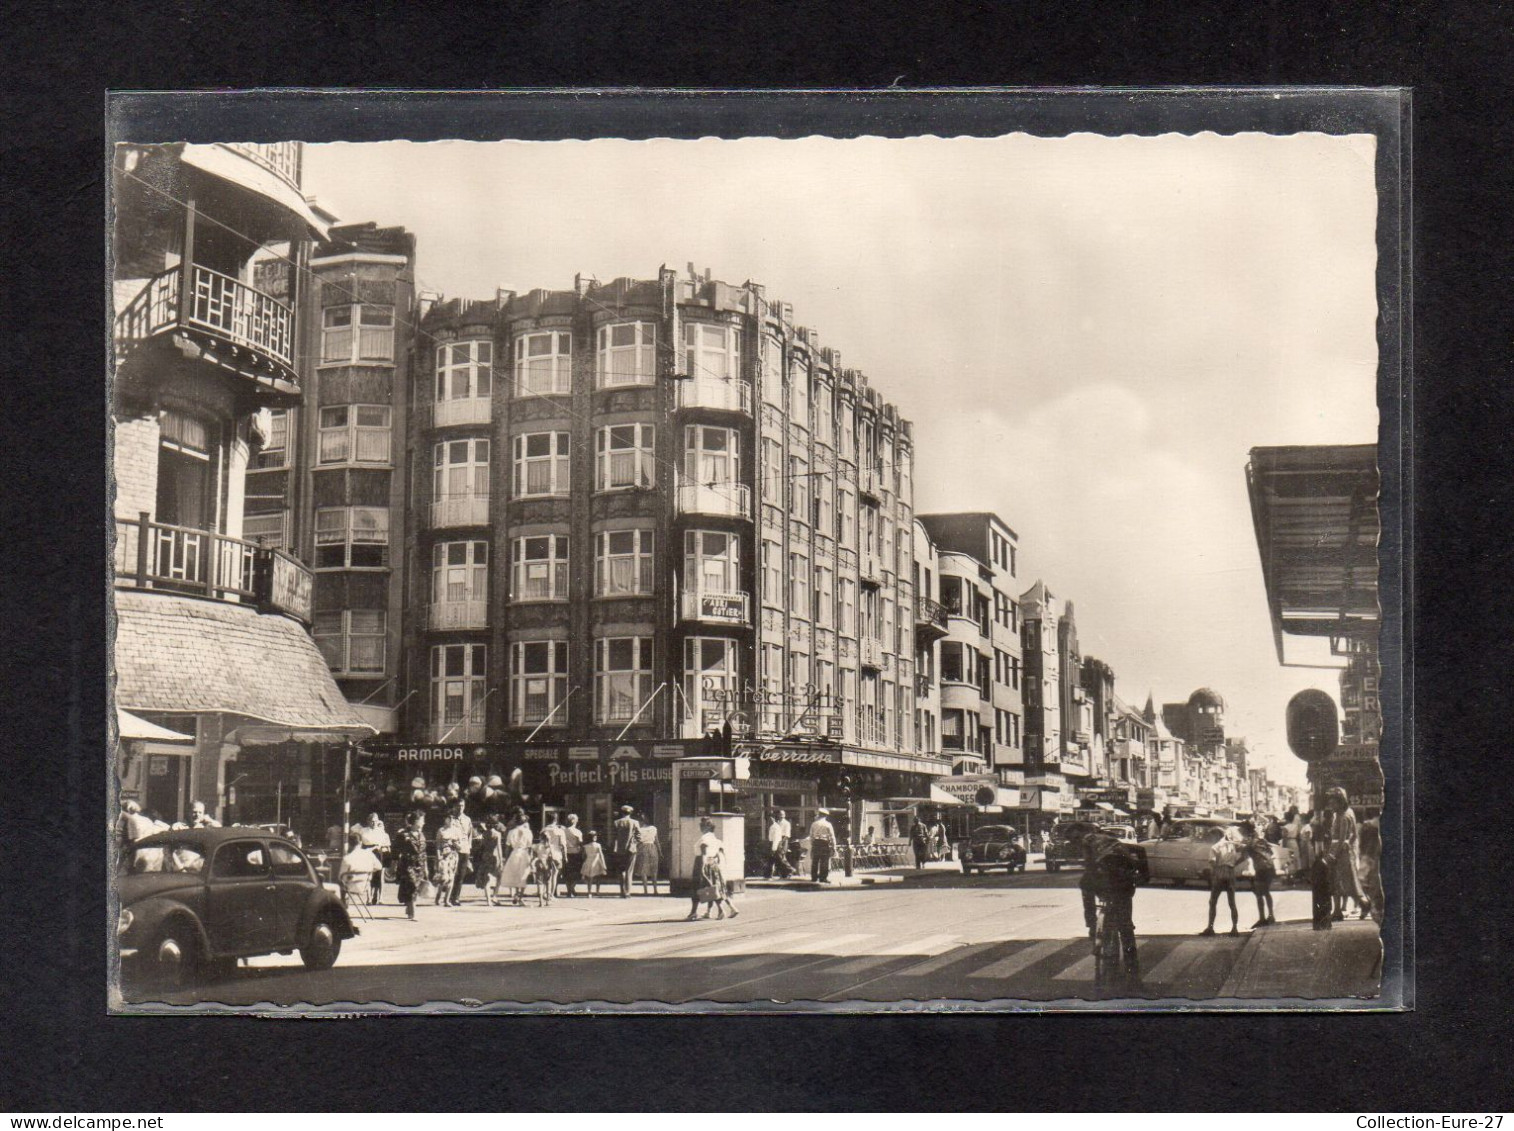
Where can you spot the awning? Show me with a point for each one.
(1104, 805)
(188, 656)
(229, 165)
(130, 726)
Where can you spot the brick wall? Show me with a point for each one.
(136, 466)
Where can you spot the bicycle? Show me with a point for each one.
(1115, 970)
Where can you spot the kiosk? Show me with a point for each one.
(704, 787)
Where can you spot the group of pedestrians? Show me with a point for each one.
(502, 856)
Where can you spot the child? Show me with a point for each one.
(594, 869)
(544, 870)
(1260, 851)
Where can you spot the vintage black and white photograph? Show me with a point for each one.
(749, 573)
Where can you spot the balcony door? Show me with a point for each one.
(186, 473)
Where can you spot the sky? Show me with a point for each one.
(1089, 333)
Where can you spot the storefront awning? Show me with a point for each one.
(186, 656)
(130, 726)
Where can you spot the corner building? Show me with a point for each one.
(642, 511)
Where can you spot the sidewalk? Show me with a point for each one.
(1292, 960)
(859, 878)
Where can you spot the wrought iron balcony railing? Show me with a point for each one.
(215, 304)
(281, 158)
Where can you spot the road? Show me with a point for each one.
(936, 936)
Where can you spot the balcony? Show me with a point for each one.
(461, 732)
(869, 483)
(930, 620)
(710, 607)
(872, 652)
(202, 563)
(218, 311)
(464, 410)
(722, 395)
(722, 499)
(281, 158)
(869, 569)
(460, 510)
(448, 615)
(922, 687)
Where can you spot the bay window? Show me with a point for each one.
(622, 677)
(460, 470)
(711, 456)
(799, 391)
(356, 433)
(464, 371)
(357, 333)
(352, 640)
(540, 568)
(711, 353)
(351, 537)
(625, 457)
(711, 562)
(710, 678)
(543, 363)
(623, 563)
(627, 354)
(541, 464)
(459, 572)
(538, 682)
(458, 675)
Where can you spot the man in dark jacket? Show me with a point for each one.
(1112, 870)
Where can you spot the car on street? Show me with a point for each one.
(1180, 852)
(194, 901)
(992, 846)
(1066, 848)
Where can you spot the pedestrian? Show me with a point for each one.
(465, 838)
(1306, 846)
(410, 860)
(919, 842)
(358, 864)
(573, 850)
(448, 839)
(1292, 824)
(134, 824)
(544, 866)
(648, 855)
(822, 846)
(1223, 859)
(940, 846)
(1259, 850)
(376, 840)
(780, 832)
(1344, 856)
(491, 857)
(710, 887)
(594, 869)
(199, 818)
(557, 840)
(517, 870)
(1320, 882)
(624, 842)
(1371, 839)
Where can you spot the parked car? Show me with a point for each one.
(1123, 833)
(193, 901)
(992, 846)
(1066, 848)
(1181, 851)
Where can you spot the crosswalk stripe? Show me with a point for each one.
(1179, 959)
(1079, 971)
(930, 966)
(766, 944)
(1020, 960)
(858, 965)
(930, 945)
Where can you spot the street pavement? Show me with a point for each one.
(924, 937)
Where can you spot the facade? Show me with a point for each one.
(1041, 691)
(634, 514)
(211, 637)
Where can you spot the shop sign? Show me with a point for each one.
(797, 754)
(606, 774)
(730, 609)
(780, 785)
(1362, 752)
(602, 752)
(807, 696)
(968, 790)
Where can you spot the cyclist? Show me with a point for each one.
(1112, 870)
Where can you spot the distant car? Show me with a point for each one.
(193, 901)
(1066, 848)
(1181, 852)
(992, 846)
(1123, 833)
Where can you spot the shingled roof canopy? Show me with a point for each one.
(1316, 518)
(186, 655)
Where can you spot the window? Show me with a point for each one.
(275, 450)
(461, 470)
(801, 591)
(627, 354)
(711, 456)
(240, 860)
(824, 420)
(772, 573)
(464, 370)
(846, 606)
(541, 568)
(373, 340)
(848, 434)
(799, 391)
(772, 687)
(711, 562)
(460, 572)
(356, 433)
(824, 504)
(541, 464)
(772, 469)
(825, 596)
(458, 674)
(270, 531)
(959, 662)
(1014, 672)
(952, 729)
(625, 457)
(543, 363)
(711, 353)
(538, 682)
(709, 669)
(772, 373)
(846, 518)
(799, 489)
(351, 537)
(352, 640)
(623, 563)
(287, 861)
(622, 677)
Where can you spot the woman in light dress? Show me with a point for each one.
(594, 869)
(648, 856)
(710, 887)
(517, 870)
(449, 839)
